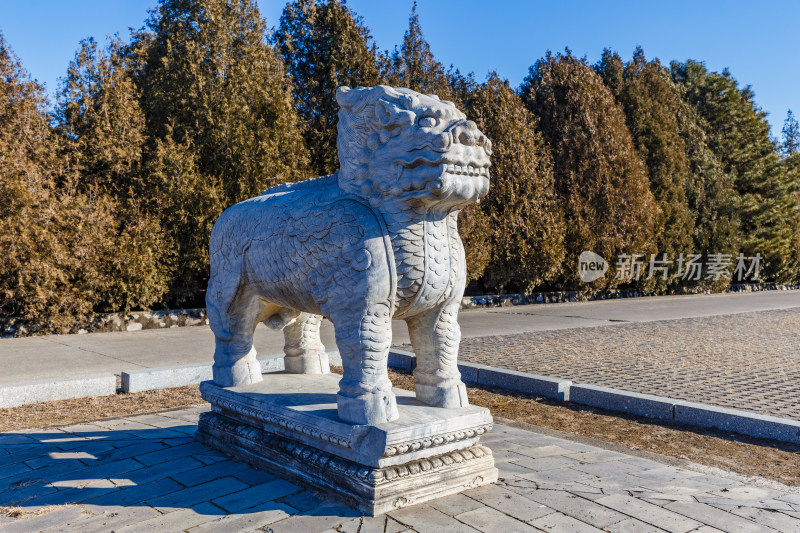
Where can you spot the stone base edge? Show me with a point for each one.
(372, 491)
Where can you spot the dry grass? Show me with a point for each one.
(63, 412)
(768, 459)
(19, 512)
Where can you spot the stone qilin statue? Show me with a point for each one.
(376, 240)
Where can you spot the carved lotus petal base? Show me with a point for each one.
(288, 424)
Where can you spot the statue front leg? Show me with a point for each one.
(365, 392)
(435, 335)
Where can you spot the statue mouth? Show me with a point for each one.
(455, 168)
(450, 182)
(466, 170)
(462, 175)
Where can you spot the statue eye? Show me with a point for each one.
(427, 122)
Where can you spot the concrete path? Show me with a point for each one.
(145, 473)
(57, 356)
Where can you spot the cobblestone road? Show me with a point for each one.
(146, 474)
(745, 361)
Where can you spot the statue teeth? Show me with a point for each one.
(451, 168)
(458, 169)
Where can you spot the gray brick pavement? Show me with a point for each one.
(744, 361)
(102, 477)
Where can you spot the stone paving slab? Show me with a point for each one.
(85, 477)
(746, 361)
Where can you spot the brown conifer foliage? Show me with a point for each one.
(220, 121)
(697, 199)
(324, 46)
(101, 128)
(599, 177)
(525, 220)
(52, 236)
(652, 103)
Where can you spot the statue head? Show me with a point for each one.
(399, 144)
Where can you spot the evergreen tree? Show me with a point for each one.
(188, 202)
(738, 134)
(791, 135)
(102, 133)
(525, 222)
(612, 70)
(599, 177)
(324, 45)
(54, 238)
(414, 66)
(219, 118)
(475, 232)
(696, 197)
(711, 195)
(461, 86)
(98, 112)
(652, 102)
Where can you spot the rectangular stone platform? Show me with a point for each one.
(288, 424)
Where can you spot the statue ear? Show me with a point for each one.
(391, 116)
(352, 99)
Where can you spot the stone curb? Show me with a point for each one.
(744, 422)
(624, 401)
(489, 376)
(45, 390)
(646, 405)
(512, 380)
(166, 377)
(175, 318)
(546, 297)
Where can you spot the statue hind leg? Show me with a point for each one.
(305, 353)
(235, 361)
(435, 336)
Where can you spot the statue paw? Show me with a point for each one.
(315, 362)
(369, 408)
(450, 393)
(243, 371)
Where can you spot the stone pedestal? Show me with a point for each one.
(288, 424)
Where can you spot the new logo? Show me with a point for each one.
(591, 266)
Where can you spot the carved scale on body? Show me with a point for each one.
(425, 246)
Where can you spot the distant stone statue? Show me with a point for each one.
(376, 240)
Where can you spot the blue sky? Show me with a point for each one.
(758, 42)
